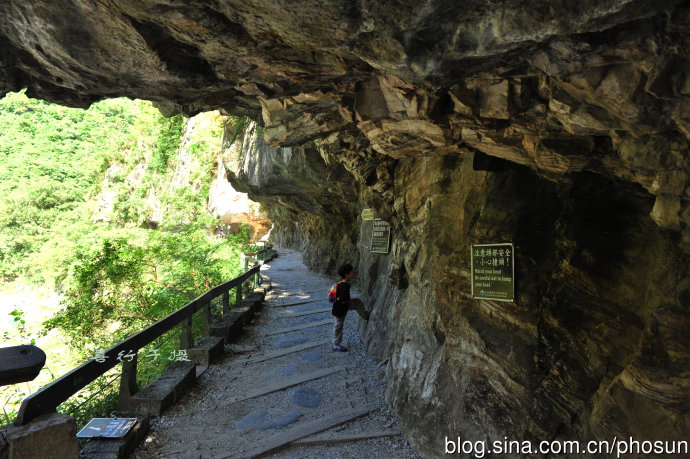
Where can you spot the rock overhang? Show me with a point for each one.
(586, 104)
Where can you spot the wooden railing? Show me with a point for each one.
(47, 399)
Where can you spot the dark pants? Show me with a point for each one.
(355, 305)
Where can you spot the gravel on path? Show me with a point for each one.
(204, 425)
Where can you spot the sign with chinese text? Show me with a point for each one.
(368, 214)
(493, 272)
(381, 237)
(107, 427)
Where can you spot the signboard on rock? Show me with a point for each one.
(107, 427)
(368, 214)
(381, 236)
(493, 272)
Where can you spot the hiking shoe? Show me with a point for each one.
(340, 348)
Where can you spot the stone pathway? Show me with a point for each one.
(280, 391)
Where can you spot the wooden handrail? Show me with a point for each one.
(48, 398)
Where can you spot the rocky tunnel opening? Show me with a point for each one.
(561, 130)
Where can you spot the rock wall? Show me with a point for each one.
(562, 127)
(583, 352)
(594, 343)
(312, 203)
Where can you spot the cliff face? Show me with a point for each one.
(313, 204)
(561, 127)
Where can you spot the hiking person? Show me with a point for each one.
(339, 295)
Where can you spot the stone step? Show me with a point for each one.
(286, 383)
(49, 436)
(285, 305)
(286, 351)
(282, 439)
(165, 390)
(300, 314)
(253, 300)
(312, 324)
(334, 438)
(243, 348)
(230, 327)
(206, 350)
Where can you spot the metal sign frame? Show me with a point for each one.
(488, 296)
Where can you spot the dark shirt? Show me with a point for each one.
(344, 292)
(342, 300)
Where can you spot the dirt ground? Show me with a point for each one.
(211, 422)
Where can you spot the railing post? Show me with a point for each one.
(128, 383)
(226, 303)
(246, 268)
(187, 336)
(238, 294)
(206, 319)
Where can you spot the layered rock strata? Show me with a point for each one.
(562, 127)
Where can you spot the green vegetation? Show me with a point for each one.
(52, 161)
(107, 207)
(125, 286)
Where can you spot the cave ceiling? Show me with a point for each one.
(559, 86)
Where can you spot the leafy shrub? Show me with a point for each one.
(117, 276)
(125, 286)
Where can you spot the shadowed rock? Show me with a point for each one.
(583, 108)
(256, 420)
(305, 397)
(283, 421)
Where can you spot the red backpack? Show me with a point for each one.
(333, 293)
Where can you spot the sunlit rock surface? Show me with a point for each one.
(561, 126)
